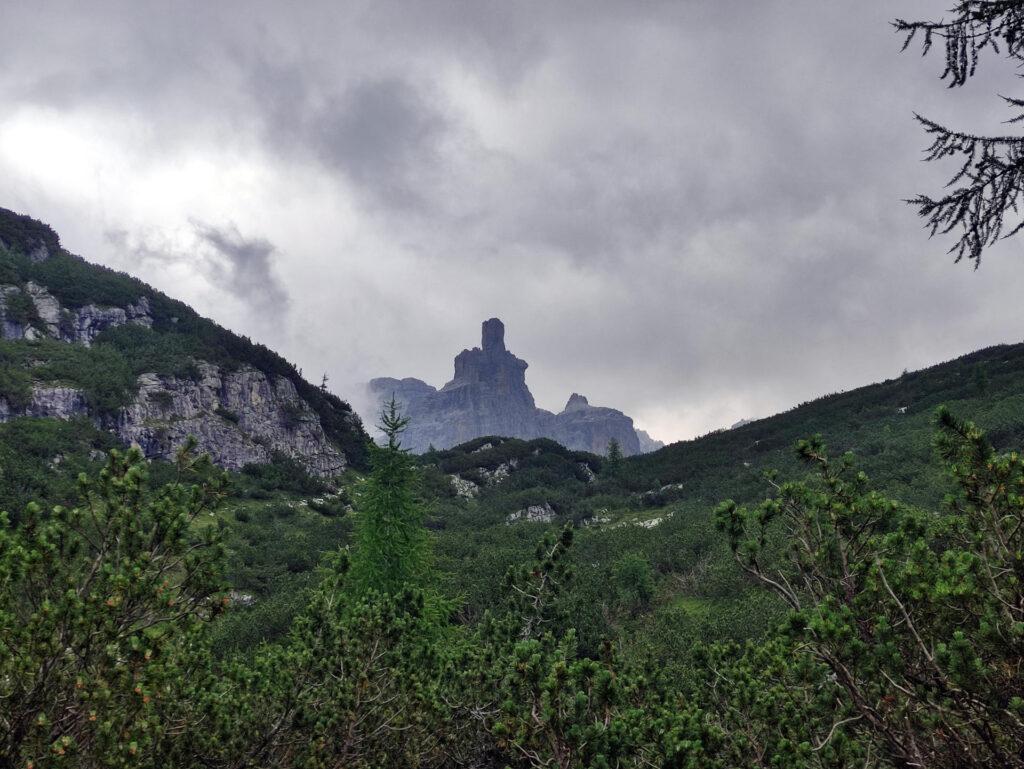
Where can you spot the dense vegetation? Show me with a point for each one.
(651, 571)
(899, 645)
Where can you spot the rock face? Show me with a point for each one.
(533, 514)
(586, 427)
(57, 402)
(33, 312)
(488, 396)
(647, 443)
(239, 417)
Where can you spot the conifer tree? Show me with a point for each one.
(917, 615)
(391, 549)
(98, 604)
(988, 185)
(614, 458)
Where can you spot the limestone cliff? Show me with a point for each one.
(488, 396)
(240, 417)
(31, 312)
(247, 406)
(589, 428)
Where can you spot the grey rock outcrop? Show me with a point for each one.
(47, 401)
(240, 418)
(533, 514)
(499, 473)
(464, 487)
(647, 443)
(47, 318)
(590, 428)
(488, 396)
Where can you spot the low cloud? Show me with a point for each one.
(243, 266)
(230, 263)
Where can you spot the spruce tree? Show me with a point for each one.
(391, 548)
(614, 458)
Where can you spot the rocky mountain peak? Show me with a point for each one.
(488, 396)
(576, 402)
(493, 375)
(493, 336)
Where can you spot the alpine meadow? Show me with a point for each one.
(701, 212)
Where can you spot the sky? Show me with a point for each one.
(689, 210)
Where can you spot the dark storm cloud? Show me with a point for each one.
(381, 134)
(689, 210)
(233, 264)
(244, 266)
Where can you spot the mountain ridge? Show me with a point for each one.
(81, 340)
(488, 395)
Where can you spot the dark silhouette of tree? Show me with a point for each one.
(982, 197)
(613, 458)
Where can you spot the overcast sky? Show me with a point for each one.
(687, 210)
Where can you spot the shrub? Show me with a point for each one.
(226, 414)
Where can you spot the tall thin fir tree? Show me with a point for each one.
(613, 458)
(391, 546)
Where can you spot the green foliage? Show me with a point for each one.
(99, 371)
(903, 632)
(392, 549)
(20, 308)
(613, 459)
(226, 414)
(97, 603)
(767, 706)
(15, 384)
(990, 169)
(41, 459)
(892, 445)
(23, 235)
(146, 350)
(281, 473)
(918, 616)
(354, 684)
(634, 581)
(981, 380)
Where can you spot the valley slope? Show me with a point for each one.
(92, 359)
